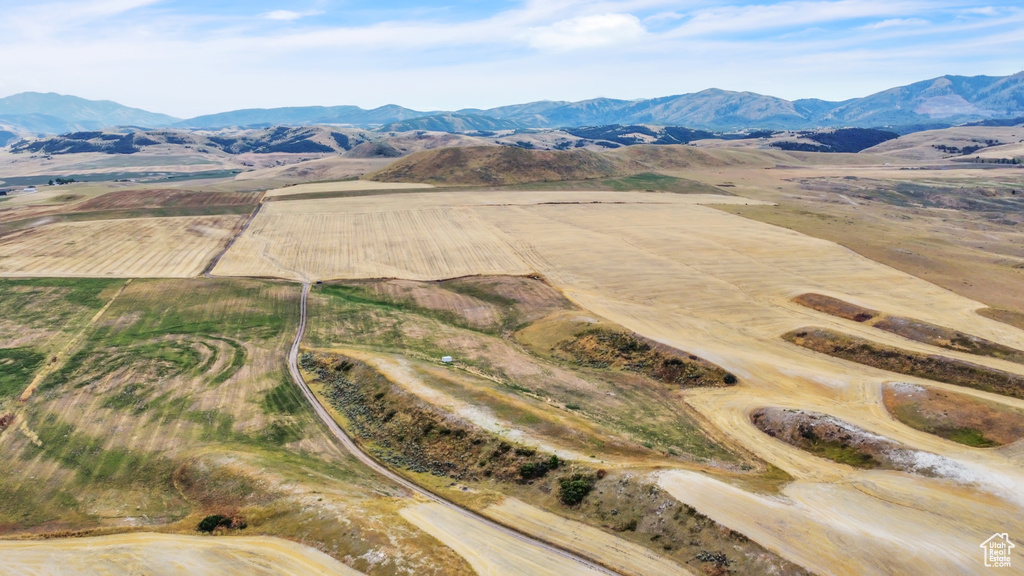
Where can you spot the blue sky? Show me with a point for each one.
(190, 57)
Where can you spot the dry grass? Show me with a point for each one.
(499, 165)
(953, 416)
(148, 553)
(145, 247)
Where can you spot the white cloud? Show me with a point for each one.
(983, 11)
(896, 22)
(587, 32)
(289, 15)
(787, 14)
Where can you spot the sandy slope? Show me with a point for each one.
(158, 554)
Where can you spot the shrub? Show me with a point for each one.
(575, 488)
(213, 521)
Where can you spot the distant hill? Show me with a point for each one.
(303, 116)
(453, 123)
(936, 103)
(56, 113)
(295, 140)
(498, 166)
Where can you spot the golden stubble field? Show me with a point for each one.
(175, 247)
(149, 553)
(719, 286)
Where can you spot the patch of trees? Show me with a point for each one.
(849, 140)
(280, 139)
(800, 147)
(62, 181)
(82, 135)
(682, 135)
(955, 150)
(1019, 121)
(623, 135)
(852, 139)
(342, 140)
(123, 145)
(57, 146)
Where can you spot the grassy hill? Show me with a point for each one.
(501, 166)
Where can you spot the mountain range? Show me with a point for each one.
(943, 101)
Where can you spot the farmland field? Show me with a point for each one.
(129, 199)
(131, 247)
(413, 236)
(686, 275)
(173, 406)
(663, 381)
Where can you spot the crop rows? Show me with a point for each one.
(145, 247)
(423, 244)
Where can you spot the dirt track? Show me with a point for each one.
(472, 523)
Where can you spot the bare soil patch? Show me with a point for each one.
(932, 367)
(955, 417)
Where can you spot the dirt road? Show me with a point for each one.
(479, 524)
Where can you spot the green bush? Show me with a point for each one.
(575, 488)
(212, 522)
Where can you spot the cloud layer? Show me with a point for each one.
(185, 57)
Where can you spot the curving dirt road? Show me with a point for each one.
(366, 459)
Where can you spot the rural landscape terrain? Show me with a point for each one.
(429, 345)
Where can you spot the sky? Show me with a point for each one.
(192, 57)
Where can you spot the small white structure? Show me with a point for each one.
(28, 190)
(446, 359)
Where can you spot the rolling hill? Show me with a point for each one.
(936, 103)
(55, 113)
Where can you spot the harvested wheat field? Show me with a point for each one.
(155, 554)
(133, 247)
(411, 236)
(719, 286)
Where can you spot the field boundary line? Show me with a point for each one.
(62, 354)
(208, 271)
(350, 444)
